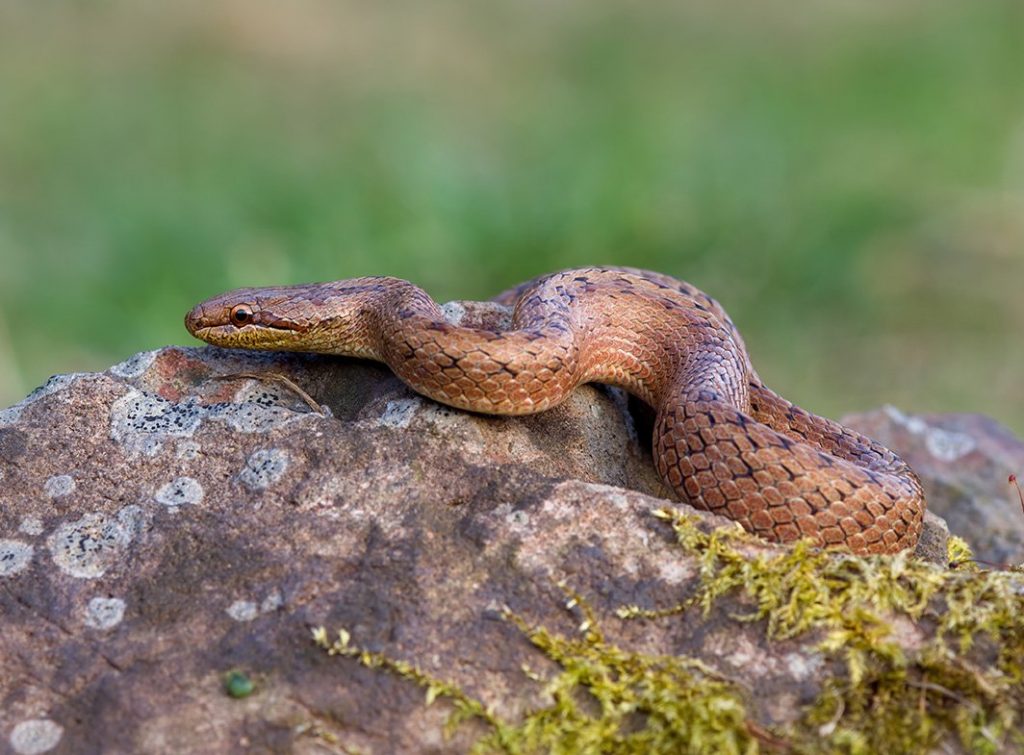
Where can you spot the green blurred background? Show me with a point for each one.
(847, 177)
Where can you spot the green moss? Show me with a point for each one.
(958, 677)
(963, 679)
(634, 702)
(959, 553)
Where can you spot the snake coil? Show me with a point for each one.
(722, 440)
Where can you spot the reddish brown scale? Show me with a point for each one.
(722, 441)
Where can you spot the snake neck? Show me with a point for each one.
(566, 331)
(366, 318)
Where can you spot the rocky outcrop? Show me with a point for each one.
(187, 513)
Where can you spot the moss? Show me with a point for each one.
(960, 678)
(959, 553)
(465, 707)
(963, 679)
(634, 702)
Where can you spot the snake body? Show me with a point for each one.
(722, 440)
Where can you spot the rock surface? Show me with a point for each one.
(160, 526)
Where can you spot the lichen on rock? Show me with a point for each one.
(87, 547)
(900, 689)
(15, 555)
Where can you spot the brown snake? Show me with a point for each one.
(722, 440)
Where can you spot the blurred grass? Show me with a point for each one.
(847, 178)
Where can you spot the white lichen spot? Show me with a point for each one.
(138, 419)
(141, 422)
(15, 556)
(437, 417)
(264, 468)
(453, 312)
(915, 425)
(35, 736)
(256, 408)
(802, 666)
(179, 491)
(59, 485)
(86, 548)
(243, 610)
(133, 519)
(944, 445)
(738, 650)
(247, 610)
(674, 571)
(10, 415)
(399, 413)
(747, 656)
(272, 602)
(948, 446)
(31, 525)
(104, 613)
(134, 366)
(518, 518)
(558, 509)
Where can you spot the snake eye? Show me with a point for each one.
(241, 314)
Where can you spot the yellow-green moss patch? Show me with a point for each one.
(633, 702)
(958, 679)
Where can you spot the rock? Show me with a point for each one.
(932, 547)
(164, 523)
(964, 461)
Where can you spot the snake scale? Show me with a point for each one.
(722, 440)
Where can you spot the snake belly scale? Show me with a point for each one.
(722, 440)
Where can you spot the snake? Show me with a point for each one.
(722, 441)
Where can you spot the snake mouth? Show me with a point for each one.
(267, 335)
(248, 335)
(214, 334)
(281, 325)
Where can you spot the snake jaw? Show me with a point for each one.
(251, 336)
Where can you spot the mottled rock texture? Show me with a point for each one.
(161, 525)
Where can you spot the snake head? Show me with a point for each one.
(251, 319)
(320, 317)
